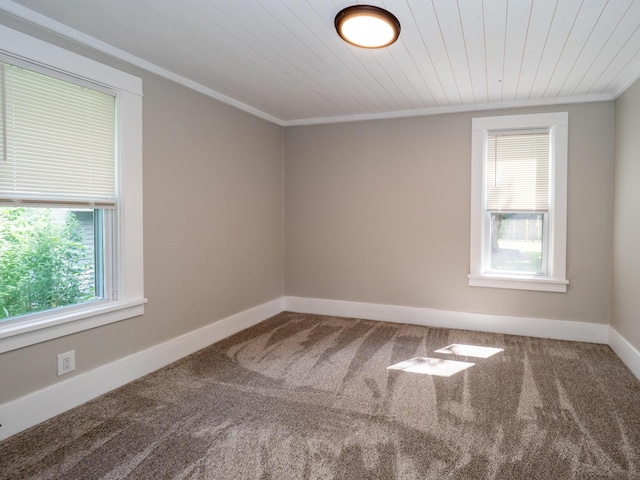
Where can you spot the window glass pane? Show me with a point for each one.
(49, 258)
(516, 244)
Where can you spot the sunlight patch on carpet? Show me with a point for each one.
(469, 350)
(431, 366)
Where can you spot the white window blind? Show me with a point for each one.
(517, 172)
(58, 141)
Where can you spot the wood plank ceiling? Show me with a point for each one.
(283, 60)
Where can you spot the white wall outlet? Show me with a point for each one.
(66, 362)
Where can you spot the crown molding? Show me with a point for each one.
(452, 109)
(58, 28)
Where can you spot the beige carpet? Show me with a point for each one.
(311, 397)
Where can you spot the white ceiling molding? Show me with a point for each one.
(51, 25)
(284, 62)
(455, 109)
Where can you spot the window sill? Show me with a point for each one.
(519, 283)
(66, 322)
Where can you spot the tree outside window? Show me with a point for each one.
(45, 262)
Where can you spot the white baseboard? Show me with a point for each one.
(627, 352)
(530, 327)
(39, 406)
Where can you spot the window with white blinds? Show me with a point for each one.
(58, 141)
(70, 142)
(517, 172)
(518, 229)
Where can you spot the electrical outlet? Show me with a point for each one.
(66, 362)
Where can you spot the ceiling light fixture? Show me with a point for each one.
(367, 26)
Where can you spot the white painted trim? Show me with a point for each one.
(479, 322)
(54, 26)
(627, 352)
(556, 280)
(39, 406)
(423, 112)
(508, 325)
(128, 297)
(518, 283)
(19, 334)
(625, 85)
(33, 50)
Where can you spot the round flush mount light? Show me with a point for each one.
(367, 26)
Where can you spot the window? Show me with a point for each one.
(70, 192)
(57, 162)
(518, 202)
(50, 258)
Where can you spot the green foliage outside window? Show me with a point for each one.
(41, 265)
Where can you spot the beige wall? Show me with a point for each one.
(213, 227)
(378, 212)
(625, 278)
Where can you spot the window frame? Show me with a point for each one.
(555, 279)
(128, 287)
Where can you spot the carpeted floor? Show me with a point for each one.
(310, 397)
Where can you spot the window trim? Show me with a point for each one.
(128, 292)
(555, 280)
